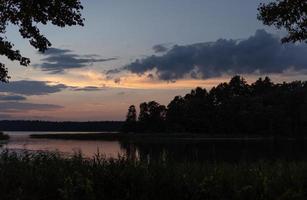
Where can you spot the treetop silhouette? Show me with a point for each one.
(233, 108)
(27, 15)
(288, 14)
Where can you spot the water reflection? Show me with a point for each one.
(22, 141)
(217, 150)
(204, 150)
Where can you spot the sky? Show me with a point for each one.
(134, 51)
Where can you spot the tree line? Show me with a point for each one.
(94, 126)
(236, 107)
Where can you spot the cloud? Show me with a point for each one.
(89, 89)
(117, 80)
(160, 48)
(23, 107)
(56, 51)
(28, 88)
(6, 117)
(261, 53)
(12, 98)
(113, 71)
(58, 60)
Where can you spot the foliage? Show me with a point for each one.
(130, 123)
(28, 15)
(151, 117)
(47, 176)
(3, 136)
(261, 108)
(288, 14)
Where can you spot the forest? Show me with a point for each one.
(23, 125)
(260, 108)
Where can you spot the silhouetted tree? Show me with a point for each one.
(238, 87)
(220, 94)
(131, 115)
(176, 112)
(156, 111)
(197, 110)
(288, 14)
(28, 15)
(283, 104)
(144, 112)
(232, 108)
(130, 124)
(262, 86)
(152, 117)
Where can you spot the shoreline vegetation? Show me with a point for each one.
(261, 108)
(231, 111)
(51, 176)
(65, 126)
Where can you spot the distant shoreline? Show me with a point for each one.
(117, 136)
(58, 126)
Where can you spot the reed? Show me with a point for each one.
(42, 175)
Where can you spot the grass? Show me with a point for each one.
(50, 176)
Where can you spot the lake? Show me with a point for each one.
(181, 150)
(21, 141)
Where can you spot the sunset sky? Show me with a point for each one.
(133, 51)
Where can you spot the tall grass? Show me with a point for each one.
(51, 176)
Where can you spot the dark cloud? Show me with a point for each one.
(262, 53)
(117, 80)
(23, 107)
(57, 60)
(113, 71)
(26, 87)
(160, 48)
(56, 51)
(89, 89)
(12, 98)
(29, 88)
(150, 76)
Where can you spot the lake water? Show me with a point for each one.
(21, 141)
(204, 150)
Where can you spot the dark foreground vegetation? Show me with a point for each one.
(50, 176)
(60, 126)
(4, 136)
(261, 108)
